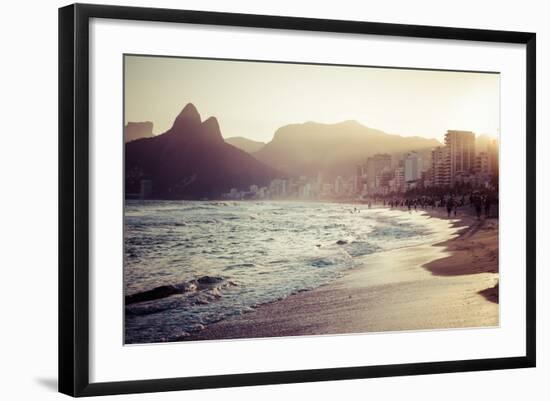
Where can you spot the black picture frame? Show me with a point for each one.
(74, 198)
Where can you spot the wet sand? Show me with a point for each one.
(450, 283)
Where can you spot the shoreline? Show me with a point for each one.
(429, 286)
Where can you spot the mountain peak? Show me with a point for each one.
(332, 149)
(351, 123)
(211, 128)
(182, 172)
(189, 117)
(189, 110)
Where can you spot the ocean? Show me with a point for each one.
(189, 264)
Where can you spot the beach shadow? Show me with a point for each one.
(490, 294)
(49, 383)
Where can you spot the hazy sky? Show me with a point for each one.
(253, 99)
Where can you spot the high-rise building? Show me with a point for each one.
(382, 181)
(398, 180)
(441, 175)
(482, 170)
(461, 148)
(413, 167)
(327, 189)
(360, 178)
(278, 188)
(375, 165)
(305, 191)
(482, 165)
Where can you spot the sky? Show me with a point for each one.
(254, 99)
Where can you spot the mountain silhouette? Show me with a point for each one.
(192, 161)
(248, 145)
(133, 131)
(332, 149)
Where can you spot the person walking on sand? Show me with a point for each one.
(450, 205)
(477, 206)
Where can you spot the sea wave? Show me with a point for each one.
(189, 264)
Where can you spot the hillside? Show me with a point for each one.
(192, 161)
(333, 149)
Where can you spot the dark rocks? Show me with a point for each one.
(156, 293)
(203, 283)
(209, 280)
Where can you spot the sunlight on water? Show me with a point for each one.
(218, 259)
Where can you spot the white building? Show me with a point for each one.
(305, 191)
(441, 175)
(413, 167)
(399, 180)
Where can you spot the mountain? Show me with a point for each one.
(133, 131)
(248, 145)
(332, 149)
(191, 161)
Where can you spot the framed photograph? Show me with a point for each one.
(251, 199)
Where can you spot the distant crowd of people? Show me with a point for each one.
(479, 201)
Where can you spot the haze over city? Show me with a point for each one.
(254, 99)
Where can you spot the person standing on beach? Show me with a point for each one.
(450, 205)
(477, 205)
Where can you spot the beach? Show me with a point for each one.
(451, 282)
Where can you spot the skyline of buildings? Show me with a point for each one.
(454, 163)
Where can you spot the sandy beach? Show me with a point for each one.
(449, 283)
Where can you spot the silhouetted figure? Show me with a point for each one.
(477, 201)
(450, 205)
(487, 206)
